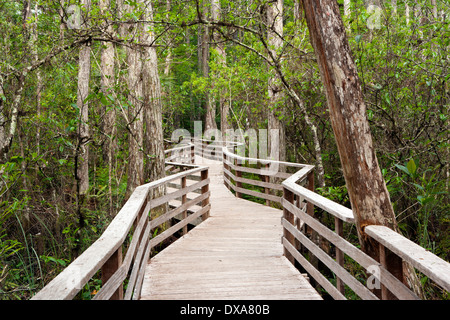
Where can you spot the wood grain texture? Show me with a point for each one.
(431, 265)
(235, 254)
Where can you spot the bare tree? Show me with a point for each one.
(220, 49)
(84, 65)
(275, 43)
(204, 29)
(136, 107)
(154, 143)
(107, 83)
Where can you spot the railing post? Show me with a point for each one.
(205, 189)
(289, 216)
(192, 154)
(339, 229)
(267, 180)
(109, 268)
(394, 265)
(183, 201)
(310, 206)
(226, 166)
(238, 175)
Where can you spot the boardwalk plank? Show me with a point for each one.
(235, 254)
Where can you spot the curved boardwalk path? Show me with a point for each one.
(235, 254)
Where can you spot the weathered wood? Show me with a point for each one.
(205, 189)
(183, 201)
(340, 272)
(337, 210)
(138, 287)
(258, 194)
(262, 171)
(167, 233)
(235, 254)
(288, 216)
(67, 284)
(429, 264)
(179, 186)
(310, 186)
(266, 185)
(339, 229)
(263, 161)
(391, 282)
(238, 174)
(176, 211)
(116, 279)
(251, 192)
(109, 268)
(313, 271)
(240, 190)
(154, 203)
(137, 262)
(369, 197)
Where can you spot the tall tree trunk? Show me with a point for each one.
(210, 108)
(407, 12)
(2, 121)
(297, 10)
(434, 9)
(107, 84)
(154, 143)
(275, 42)
(394, 6)
(367, 190)
(84, 65)
(39, 83)
(347, 7)
(168, 60)
(135, 110)
(219, 47)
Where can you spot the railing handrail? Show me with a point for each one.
(339, 211)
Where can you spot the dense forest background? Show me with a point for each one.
(214, 62)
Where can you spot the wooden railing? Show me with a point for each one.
(379, 277)
(262, 174)
(181, 154)
(240, 173)
(307, 241)
(121, 260)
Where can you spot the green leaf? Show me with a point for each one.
(424, 200)
(411, 166)
(403, 168)
(418, 186)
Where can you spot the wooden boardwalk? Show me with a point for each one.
(235, 254)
